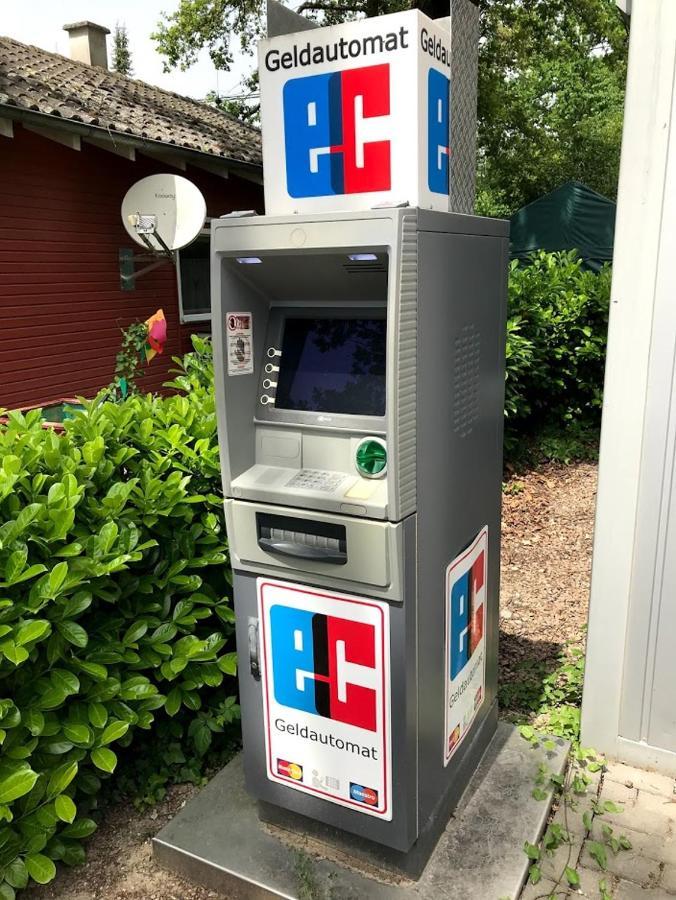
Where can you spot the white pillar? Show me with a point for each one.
(632, 623)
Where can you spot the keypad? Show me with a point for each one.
(316, 480)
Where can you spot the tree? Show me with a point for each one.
(121, 51)
(551, 82)
(551, 96)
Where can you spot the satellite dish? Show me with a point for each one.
(163, 212)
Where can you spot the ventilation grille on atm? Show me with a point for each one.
(467, 347)
(356, 268)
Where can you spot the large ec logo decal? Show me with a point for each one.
(438, 103)
(324, 665)
(328, 133)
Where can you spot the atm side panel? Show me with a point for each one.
(460, 395)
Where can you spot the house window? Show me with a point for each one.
(194, 280)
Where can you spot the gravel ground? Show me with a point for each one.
(546, 557)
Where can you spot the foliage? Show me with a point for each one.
(244, 106)
(551, 83)
(549, 699)
(115, 611)
(556, 338)
(551, 94)
(121, 52)
(570, 792)
(130, 360)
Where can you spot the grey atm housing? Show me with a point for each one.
(440, 281)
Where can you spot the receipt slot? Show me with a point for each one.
(359, 364)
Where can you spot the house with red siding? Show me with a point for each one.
(74, 137)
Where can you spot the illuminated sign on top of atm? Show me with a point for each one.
(357, 114)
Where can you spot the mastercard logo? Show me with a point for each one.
(289, 770)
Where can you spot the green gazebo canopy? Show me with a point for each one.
(572, 217)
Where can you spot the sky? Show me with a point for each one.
(41, 22)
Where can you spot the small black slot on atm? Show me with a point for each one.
(302, 538)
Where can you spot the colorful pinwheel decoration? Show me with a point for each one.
(157, 334)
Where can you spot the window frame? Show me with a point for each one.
(188, 318)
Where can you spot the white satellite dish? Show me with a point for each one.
(163, 212)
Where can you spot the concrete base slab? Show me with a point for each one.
(219, 841)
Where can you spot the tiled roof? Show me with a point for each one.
(34, 79)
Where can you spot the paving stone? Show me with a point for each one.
(626, 890)
(589, 882)
(669, 850)
(618, 792)
(652, 846)
(652, 782)
(629, 864)
(552, 866)
(668, 881)
(543, 887)
(648, 812)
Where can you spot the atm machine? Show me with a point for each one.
(359, 365)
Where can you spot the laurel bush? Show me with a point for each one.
(556, 342)
(115, 607)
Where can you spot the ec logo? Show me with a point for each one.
(466, 616)
(326, 131)
(324, 665)
(438, 88)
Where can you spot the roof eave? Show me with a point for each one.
(20, 114)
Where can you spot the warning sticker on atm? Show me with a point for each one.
(465, 641)
(325, 667)
(239, 343)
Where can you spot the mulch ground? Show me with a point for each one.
(546, 560)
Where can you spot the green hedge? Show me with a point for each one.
(115, 610)
(556, 341)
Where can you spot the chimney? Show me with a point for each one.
(88, 43)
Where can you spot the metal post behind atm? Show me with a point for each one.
(359, 362)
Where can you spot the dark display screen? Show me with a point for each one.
(333, 366)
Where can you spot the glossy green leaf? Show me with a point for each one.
(40, 868)
(73, 633)
(65, 808)
(16, 784)
(61, 777)
(104, 759)
(114, 732)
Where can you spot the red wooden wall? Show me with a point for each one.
(61, 306)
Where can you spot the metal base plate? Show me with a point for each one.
(219, 841)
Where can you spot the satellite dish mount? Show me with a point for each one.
(161, 213)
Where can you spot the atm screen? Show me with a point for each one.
(333, 366)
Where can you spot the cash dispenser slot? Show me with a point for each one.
(302, 538)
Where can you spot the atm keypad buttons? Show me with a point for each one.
(316, 480)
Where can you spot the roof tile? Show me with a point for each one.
(34, 79)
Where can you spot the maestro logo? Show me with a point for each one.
(362, 794)
(324, 665)
(325, 124)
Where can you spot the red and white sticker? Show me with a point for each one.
(239, 343)
(325, 660)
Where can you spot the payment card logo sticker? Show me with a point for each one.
(328, 132)
(465, 641)
(363, 794)
(438, 101)
(290, 770)
(326, 694)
